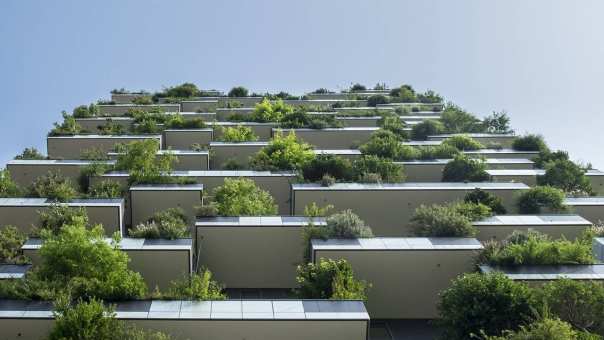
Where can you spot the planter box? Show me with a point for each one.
(406, 274)
(350, 154)
(330, 96)
(590, 208)
(93, 124)
(223, 114)
(369, 121)
(420, 118)
(356, 111)
(502, 153)
(529, 177)
(182, 139)
(186, 159)
(325, 103)
(238, 152)
(388, 207)
(210, 320)
(146, 200)
(72, 147)
(24, 172)
(505, 140)
(336, 138)
(126, 98)
(276, 183)
(122, 109)
(538, 275)
(555, 226)
(252, 252)
(13, 271)
(245, 101)
(422, 143)
(432, 170)
(264, 131)
(23, 212)
(199, 105)
(159, 261)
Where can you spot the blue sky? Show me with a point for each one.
(540, 60)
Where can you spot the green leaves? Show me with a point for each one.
(241, 197)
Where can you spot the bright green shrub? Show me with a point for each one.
(394, 124)
(456, 120)
(429, 97)
(30, 153)
(383, 143)
(197, 286)
(11, 241)
(238, 91)
(69, 127)
(84, 111)
(338, 167)
(376, 100)
(483, 197)
(142, 100)
(8, 188)
(330, 279)
(441, 221)
(498, 122)
(473, 211)
(241, 197)
(409, 153)
(143, 164)
(463, 143)
(428, 127)
(265, 111)
(58, 215)
(465, 169)
(238, 134)
(404, 93)
(106, 189)
(385, 169)
(300, 119)
(545, 329)
(283, 153)
(533, 200)
(168, 224)
(490, 303)
(442, 151)
(567, 176)
(529, 143)
(54, 187)
(177, 121)
(347, 224)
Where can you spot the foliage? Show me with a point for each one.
(498, 122)
(385, 169)
(325, 164)
(94, 154)
(69, 127)
(429, 97)
(142, 100)
(84, 111)
(456, 120)
(168, 224)
(465, 169)
(404, 94)
(494, 203)
(409, 153)
(300, 119)
(357, 88)
(58, 215)
(347, 224)
(8, 188)
(197, 286)
(533, 200)
(106, 189)
(489, 303)
(545, 329)
(321, 90)
(95, 168)
(283, 153)
(547, 156)
(428, 127)
(238, 91)
(143, 164)
(385, 144)
(179, 92)
(567, 176)
(11, 241)
(376, 100)
(463, 143)
(241, 197)
(529, 143)
(177, 121)
(330, 279)
(30, 153)
(442, 151)
(111, 128)
(441, 221)
(267, 111)
(238, 134)
(54, 187)
(534, 248)
(394, 124)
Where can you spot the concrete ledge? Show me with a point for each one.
(223, 152)
(543, 274)
(72, 147)
(264, 131)
(432, 170)
(590, 208)
(148, 199)
(182, 139)
(505, 140)
(121, 109)
(24, 172)
(529, 177)
(336, 138)
(555, 226)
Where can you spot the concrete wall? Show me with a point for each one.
(24, 172)
(93, 124)
(71, 147)
(359, 121)
(264, 131)
(186, 159)
(239, 152)
(199, 105)
(121, 109)
(504, 140)
(388, 209)
(325, 103)
(146, 200)
(125, 98)
(344, 138)
(432, 171)
(502, 153)
(500, 231)
(405, 282)
(183, 139)
(23, 213)
(591, 212)
(245, 101)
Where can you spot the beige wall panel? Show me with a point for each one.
(183, 139)
(68, 147)
(239, 152)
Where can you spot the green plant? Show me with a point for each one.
(498, 122)
(143, 164)
(533, 200)
(325, 164)
(329, 279)
(408, 153)
(197, 286)
(266, 111)
(30, 153)
(300, 119)
(384, 168)
(545, 329)
(95, 168)
(567, 176)
(472, 211)
(238, 134)
(394, 124)
(106, 189)
(456, 120)
(238, 91)
(548, 156)
(357, 88)
(441, 221)
(347, 224)
(490, 303)
(383, 143)
(142, 100)
(283, 153)
(54, 187)
(529, 143)
(168, 224)
(404, 93)
(177, 121)
(463, 143)
(480, 196)
(84, 111)
(94, 154)
(111, 128)
(11, 241)
(58, 215)
(465, 169)
(327, 180)
(376, 100)
(8, 188)
(429, 97)
(442, 151)
(241, 197)
(69, 127)
(428, 127)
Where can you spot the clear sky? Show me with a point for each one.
(541, 60)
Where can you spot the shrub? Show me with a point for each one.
(30, 153)
(197, 286)
(545, 329)
(429, 97)
(529, 143)
(442, 151)
(238, 134)
(168, 224)
(8, 188)
(143, 165)
(94, 154)
(547, 156)
(238, 91)
(111, 128)
(283, 153)
(567, 176)
(185, 90)
(498, 122)
(265, 111)
(84, 111)
(95, 168)
(456, 120)
(327, 180)
(142, 100)
(383, 143)
(384, 168)
(409, 153)
(330, 279)
(465, 169)
(480, 196)
(106, 189)
(426, 128)
(324, 164)
(463, 143)
(11, 241)
(177, 121)
(376, 100)
(300, 119)
(54, 187)
(440, 221)
(490, 303)
(404, 93)
(347, 224)
(241, 197)
(357, 88)
(535, 199)
(58, 215)
(472, 211)
(69, 127)
(394, 124)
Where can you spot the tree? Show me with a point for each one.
(456, 120)
(535, 199)
(545, 329)
(567, 176)
(428, 127)
(267, 111)
(465, 169)
(530, 143)
(376, 100)
(383, 143)
(480, 196)
(498, 122)
(54, 187)
(283, 153)
(241, 197)
(143, 164)
(238, 91)
(30, 153)
(8, 188)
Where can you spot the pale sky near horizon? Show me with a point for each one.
(540, 60)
